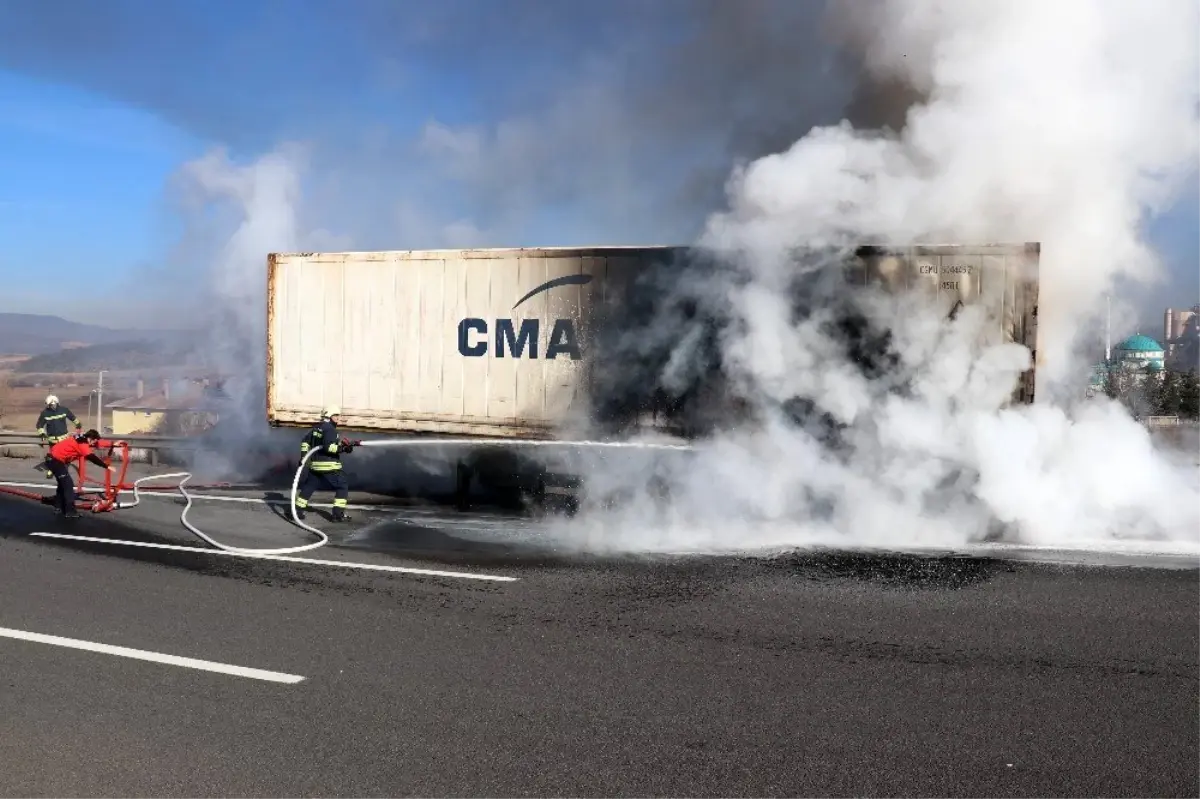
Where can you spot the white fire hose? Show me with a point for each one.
(183, 477)
(323, 539)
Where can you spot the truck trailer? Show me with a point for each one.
(545, 343)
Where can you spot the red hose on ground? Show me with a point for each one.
(110, 489)
(106, 492)
(16, 492)
(48, 499)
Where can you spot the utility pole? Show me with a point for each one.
(100, 403)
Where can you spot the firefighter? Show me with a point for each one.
(52, 423)
(58, 463)
(325, 466)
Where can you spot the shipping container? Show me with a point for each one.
(1003, 278)
(528, 343)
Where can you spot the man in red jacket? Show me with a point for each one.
(58, 462)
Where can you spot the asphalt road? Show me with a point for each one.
(829, 674)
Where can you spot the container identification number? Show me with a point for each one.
(947, 269)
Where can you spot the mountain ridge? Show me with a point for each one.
(45, 334)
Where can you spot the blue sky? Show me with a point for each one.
(79, 200)
(100, 105)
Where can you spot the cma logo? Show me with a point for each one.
(508, 339)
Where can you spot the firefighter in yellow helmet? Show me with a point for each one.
(325, 466)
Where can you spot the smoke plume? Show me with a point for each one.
(1064, 123)
(684, 82)
(757, 129)
(234, 214)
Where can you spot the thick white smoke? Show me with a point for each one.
(235, 215)
(1059, 122)
(250, 209)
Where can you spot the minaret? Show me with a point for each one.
(1108, 329)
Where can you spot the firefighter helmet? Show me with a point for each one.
(330, 411)
(51, 400)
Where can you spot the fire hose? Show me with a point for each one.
(111, 501)
(112, 490)
(108, 498)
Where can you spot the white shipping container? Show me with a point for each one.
(463, 342)
(496, 342)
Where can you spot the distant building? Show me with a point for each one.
(1140, 352)
(1181, 337)
(180, 408)
(1132, 359)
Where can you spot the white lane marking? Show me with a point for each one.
(153, 657)
(288, 558)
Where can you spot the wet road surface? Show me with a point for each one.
(818, 674)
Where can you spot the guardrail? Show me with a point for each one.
(1168, 421)
(141, 448)
(152, 449)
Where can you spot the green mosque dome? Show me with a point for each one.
(1140, 343)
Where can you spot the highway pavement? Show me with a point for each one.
(518, 672)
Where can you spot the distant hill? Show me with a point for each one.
(167, 350)
(36, 334)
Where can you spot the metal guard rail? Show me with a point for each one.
(152, 444)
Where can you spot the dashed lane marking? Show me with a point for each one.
(153, 657)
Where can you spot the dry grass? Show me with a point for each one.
(21, 422)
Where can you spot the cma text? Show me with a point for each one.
(509, 340)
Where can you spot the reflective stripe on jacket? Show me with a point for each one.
(52, 423)
(323, 437)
